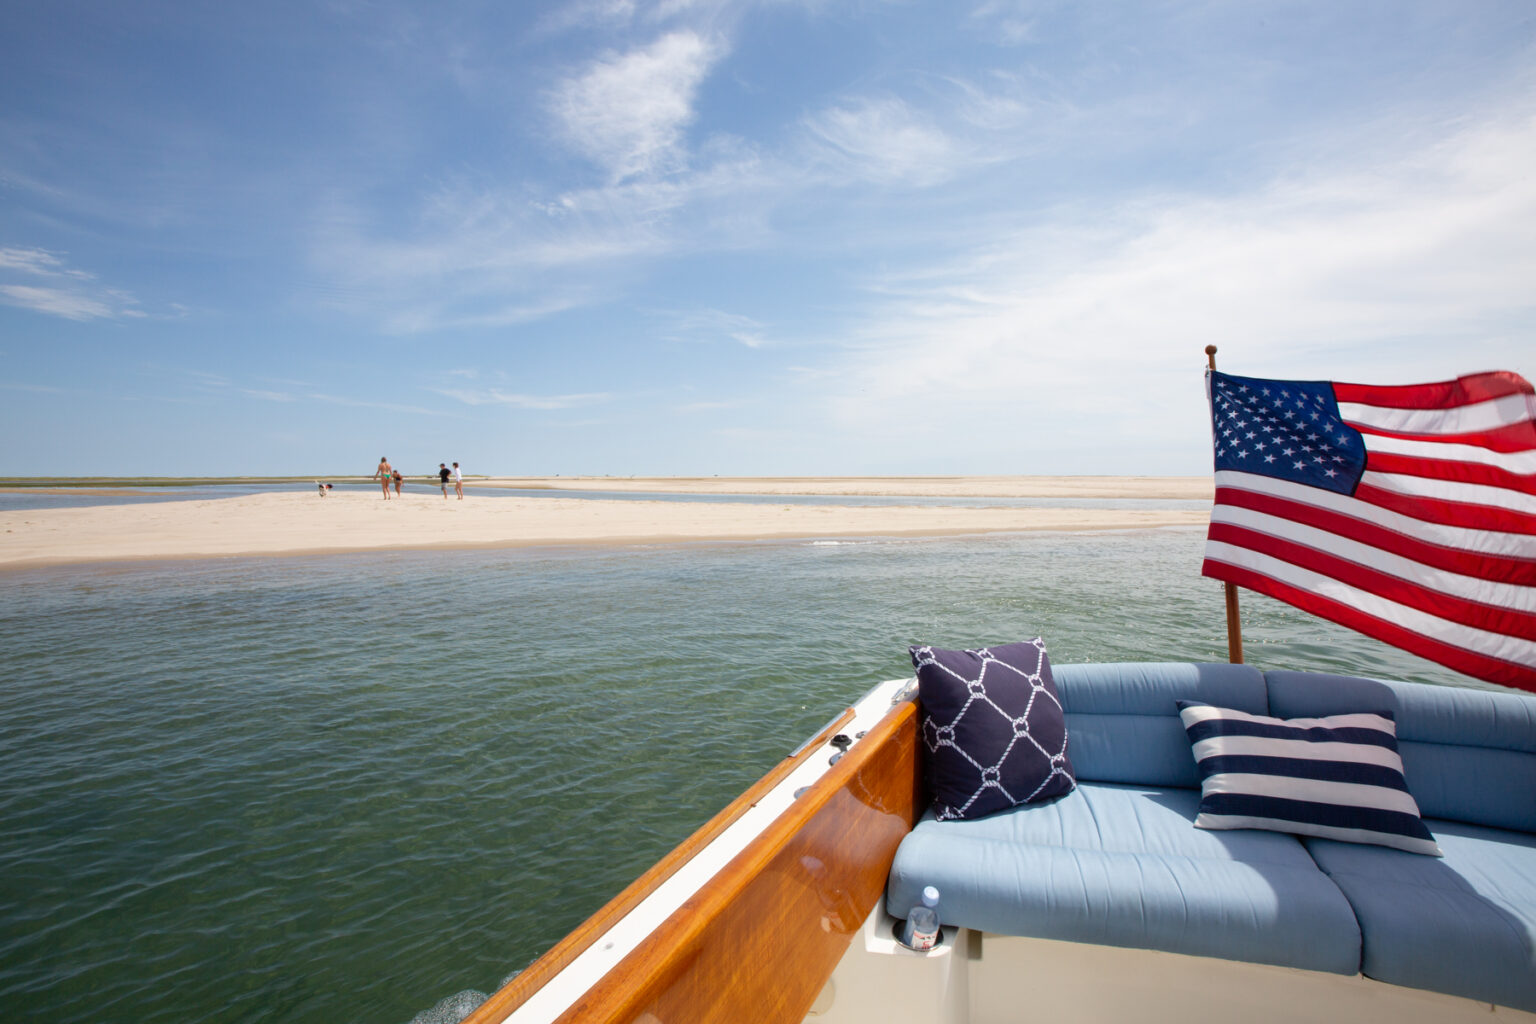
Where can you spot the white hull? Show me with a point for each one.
(975, 978)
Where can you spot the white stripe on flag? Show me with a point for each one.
(1451, 490)
(1471, 588)
(1523, 463)
(1484, 542)
(1461, 419)
(1481, 641)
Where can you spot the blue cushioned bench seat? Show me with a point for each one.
(1124, 866)
(1464, 924)
(1118, 861)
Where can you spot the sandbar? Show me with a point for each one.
(1183, 488)
(301, 523)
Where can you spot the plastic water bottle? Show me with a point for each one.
(922, 927)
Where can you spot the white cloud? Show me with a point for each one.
(355, 403)
(217, 387)
(494, 256)
(629, 112)
(495, 396)
(482, 253)
(37, 261)
(883, 140)
(56, 289)
(433, 314)
(58, 302)
(40, 389)
(1006, 22)
(65, 291)
(1094, 320)
(587, 13)
(705, 325)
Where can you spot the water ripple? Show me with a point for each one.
(348, 787)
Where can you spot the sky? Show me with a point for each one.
(740, 237)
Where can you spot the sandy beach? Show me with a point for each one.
(301, 523)
(1186, 488)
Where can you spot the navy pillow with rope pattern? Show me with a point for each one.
(993, 728)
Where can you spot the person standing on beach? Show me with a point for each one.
(458, 482)
(383, 475)
(398, 481)
(442, 478)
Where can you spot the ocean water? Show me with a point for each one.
(346, 788)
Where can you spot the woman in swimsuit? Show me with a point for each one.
(383, 475)
(398, 481)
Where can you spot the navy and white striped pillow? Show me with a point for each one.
(1338, 777)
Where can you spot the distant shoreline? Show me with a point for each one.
(1017, 486)
(300, 522)
(70, 483)
(1182, 488)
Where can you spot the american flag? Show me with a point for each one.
(1406, 513)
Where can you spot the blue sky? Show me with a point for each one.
(740, 236)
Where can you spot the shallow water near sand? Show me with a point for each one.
(344, 788)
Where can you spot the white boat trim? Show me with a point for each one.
(627, 934)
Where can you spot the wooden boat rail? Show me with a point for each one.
(759, 939)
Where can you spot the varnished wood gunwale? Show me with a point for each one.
(517, 991)
(759, 940)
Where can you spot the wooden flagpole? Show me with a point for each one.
(1234, 618)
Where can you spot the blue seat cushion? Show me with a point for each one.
(1123, 718)
(1464, 924)
(1123, 865)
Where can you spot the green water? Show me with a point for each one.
(344, 788)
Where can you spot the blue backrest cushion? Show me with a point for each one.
(1468, 755)
(1123, 718)
(1334, 776)
(992, 728)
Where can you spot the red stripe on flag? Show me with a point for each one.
(1450, 469)
(1494, 670)
(1476, 614)
(1501, 569)
(1450, 513)
(1476, 387)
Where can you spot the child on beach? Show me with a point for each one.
(442, 478)
(458, 482)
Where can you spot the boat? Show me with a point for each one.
(776, 910)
